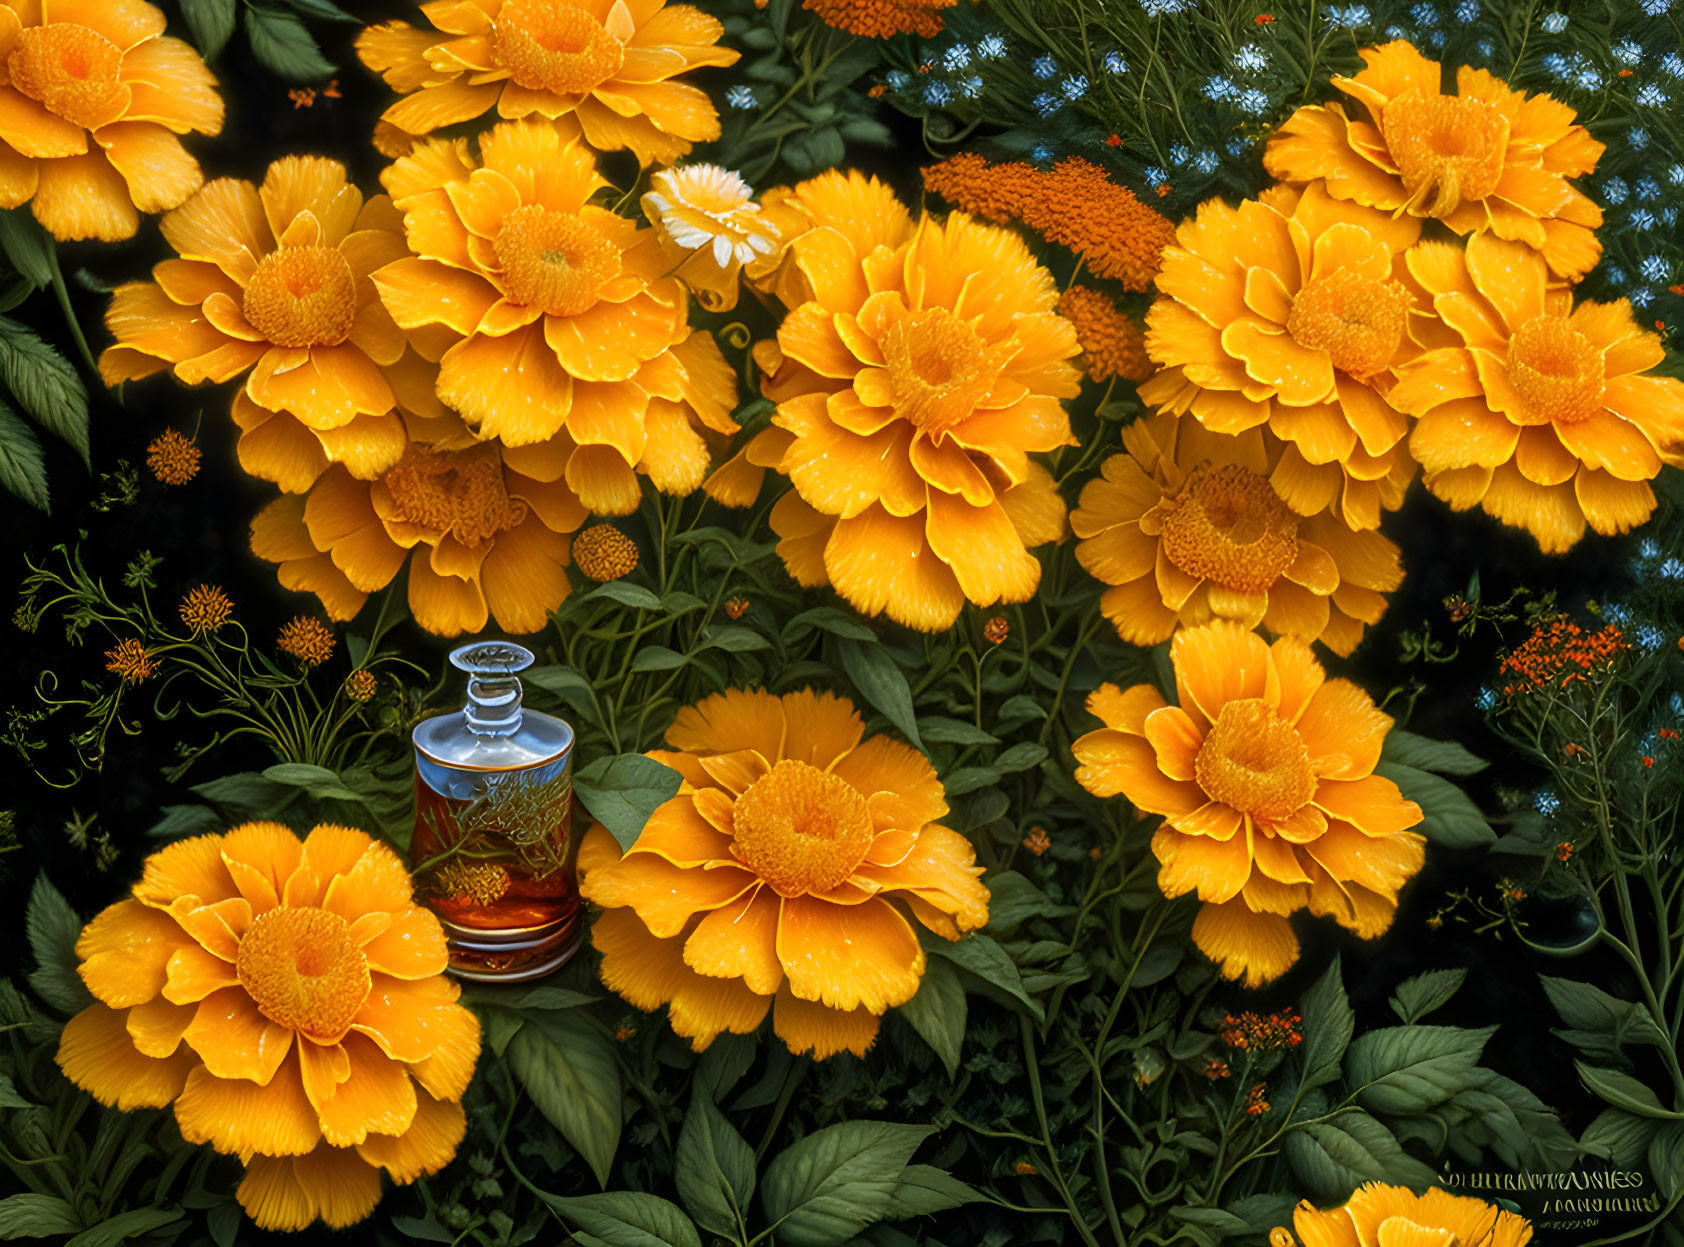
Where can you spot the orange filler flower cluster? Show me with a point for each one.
(1113, 342)
(1073, 204)
(1251, 1032)
(1558, 653)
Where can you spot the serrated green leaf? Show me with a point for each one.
(23, 468)
(568, 1069)
(284, 46)
(924, 1189)
(1328, 1024)
(714, 1169)
(28, 248)
(621, 792)
(1334, 1157)
(1420, 995)
(824, 1189)
(628, 1219)
(44, 385)
(53, 929)
(626, 594)
(1425, 754)
(982, 956)
(1449, 818)
(1619, 1136)
(1410, 1069)
(211, 23)
(322, 10)
(937, 1012)
(883, 684)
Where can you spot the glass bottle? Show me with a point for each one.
(492, 853)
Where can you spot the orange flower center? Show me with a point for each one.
(302, 296)
(553, 260)
(1447, 149)
(1254, 762)
(1556, 371)
(1358, 321)
(939, 368)
(550, 46)
(801, 829)
(461, 493)
(71, 70)
(303, 970)
(1229, 526)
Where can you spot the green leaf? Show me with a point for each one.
(517, 996)
(621, 792)
(1420, 995)
(658, 658)
(924, 1189)
(1619, 1136)
(628, 1219)
(829, 619)
(498, 1026)
(1425, 754)
(883, 684)
(1587, 1008)
(211, 23)
(814, 151)
(568, 1069)
(1218, 1222)
(28, 247)
(937, 1011)
(714, 1169)
(573, 687)
(734, 639)
(626, 594)
(181, 821)
(1013, 900)
(1623, 1091)
(1328, 1023)
(824, 1189)
(1021, 757)
(23, 468)
(323, 11)
(283, 45)
(969, 779)
(940, 731)
(318, 781)
(1449, 817)
(37, 1216)
(125, 1226)
(1409, 1069)
(9, 1097)
(53, 928)
(44, 384)
(246, 794)
(982, 956)
(1666, 1159)
(1334, 1157)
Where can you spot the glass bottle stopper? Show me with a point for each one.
(493, 707)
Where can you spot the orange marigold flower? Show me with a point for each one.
(275, 279)
(1113, 343)
(96, 95)
(307, 639)
(1037, 841)
(289, 999)
(1560, 650)
(1073, 204)
(131, 661)
(709, 228)
(1264, 773)
(1436, 1216)
(776, 881)
(206, 608)
(606, 72)
(361, 685)
(173, 457)
(1485, 158)
(558, 315)
(996, 630)
(604, 553)
(1534, 409)
(491, 537)
(1290, 312)
(878, 19)
(908, 404)
(1186, 525)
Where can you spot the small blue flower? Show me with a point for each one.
(1207, 162)
(1672, 569)
(741, 97)
(1221, 89)
(1251, 58)
(1642, 218)
(958, 56)
(1546, 801)
(1162, 8)
(1115, 64)
(971, 87)
(1047, 103)
(1614, 613)
(1485, 48)
(991, 47)
(1555, 23)
(1588, 79)
(1616, 276)
(1424, 15)
(1435, 39)
(1254, 102)
(1467, 11)
(1669, 216)
(1041, 153)
(1074, 87)
(1239, 145)
(1673, 65)
(1648, 189)
(1486, 699)
(1638, 138)
(1643, 296)
(1348, 15)
(1650, 637)
(1615, 190)
(937, 94)
(1627, 53)
(1180, 154)
(1654, 8)
(1675, 175)
(1648, 548)
(1652, 268)
(1650, 96)
(1155, 176)
(1556, 64)
(1043, 67)
(899, 79)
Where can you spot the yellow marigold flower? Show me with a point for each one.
(1485, 158)
(1072, 204)
(785, 876)
(99, 70)
(309, 640)
(491, 539)
(1264, 774)
(911, 388)
(547, 313)
(1185, 526)
(173, 457)
(131, 661)
(878, 19)
(604, 553)
(206, 608)
(1533, 408)
(1378, 1213)
(275, 279)
(603, 70)
(289, 999)
(1113, 343)
(1290, 312)
(361, 685)
(709, 228)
